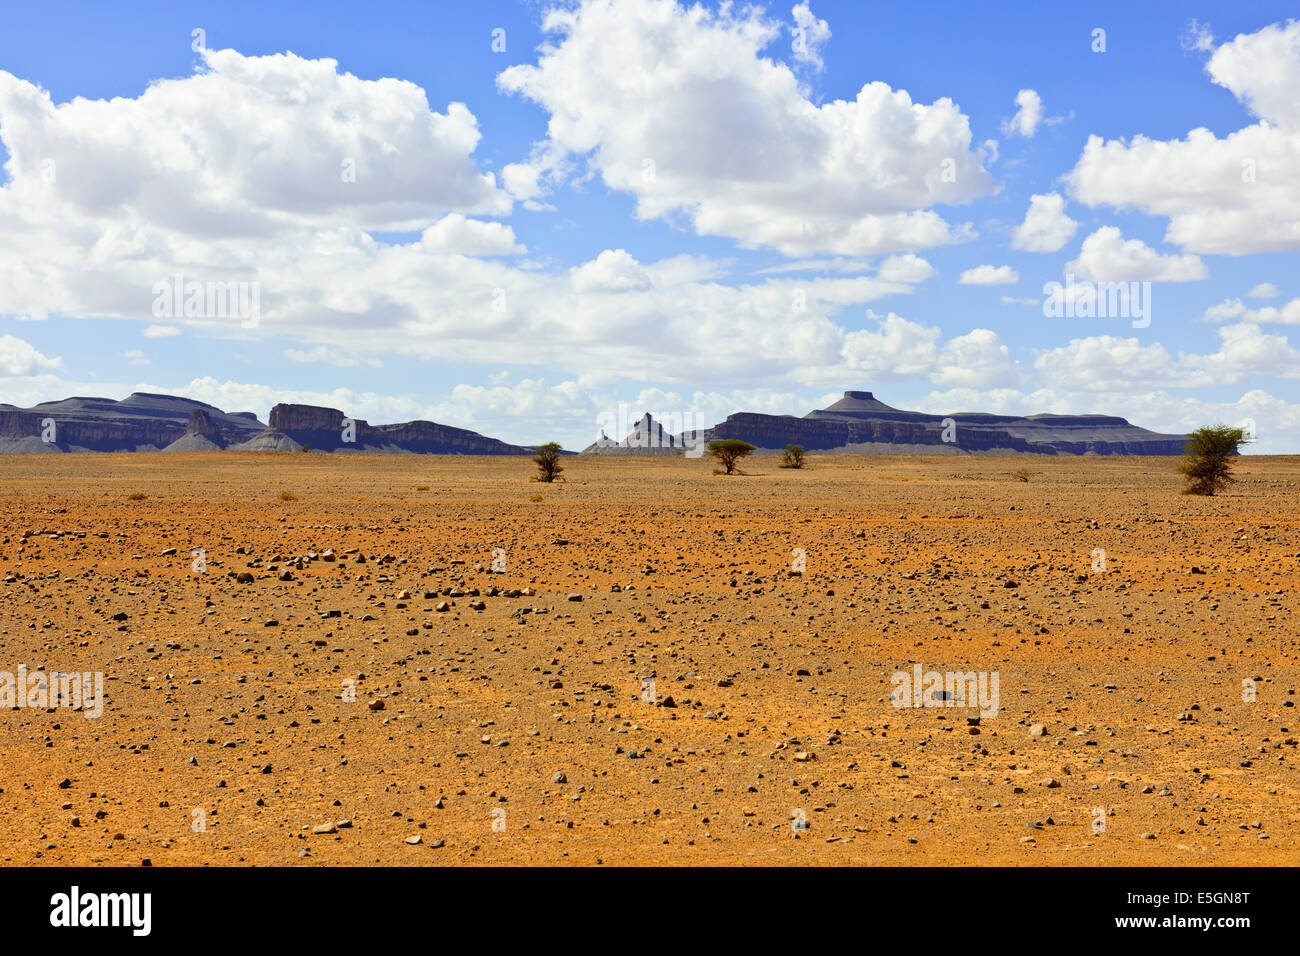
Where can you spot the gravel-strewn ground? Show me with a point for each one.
(520, 733)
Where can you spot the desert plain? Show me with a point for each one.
(437, 661)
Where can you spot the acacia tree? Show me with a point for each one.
(548, 461)
(1208, 463)
(728, 451)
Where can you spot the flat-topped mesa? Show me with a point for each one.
(139, 422)
(426, 437)
(147, 422)
(293, 427)
(861, 423)
(290, 418)
(316, 428)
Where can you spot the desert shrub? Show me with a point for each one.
(306, 447)
(1207, 466)
(421, 487)
(548, 461)
(534, 497)
(728, 451)
(136, 496)
(792, 457)
(288, 496)
(1022, 474)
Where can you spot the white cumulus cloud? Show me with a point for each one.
(905, 268)
(1107, 256)
(1028, 115)
(1288, 314)
(680, 108)
(989, 275)
(19, 357)
(1232, 195)
(472, 237)
(1046, 227)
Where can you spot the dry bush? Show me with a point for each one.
(548, 462)
(1208, 465)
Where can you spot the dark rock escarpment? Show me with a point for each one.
(860, 423)
(316, 428)
(146, 422)
(139, 422)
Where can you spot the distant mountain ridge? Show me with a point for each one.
(856, 423)
(294, 427)
(144, 422)
(860, 423)
(140, 422)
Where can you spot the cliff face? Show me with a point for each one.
(144, 422)
(66, 431)
(140, 422)
(201, 434)
(327, 429)
(430, 437)
(777, 431)
(200, 423)
(305, 418)
(860, 423)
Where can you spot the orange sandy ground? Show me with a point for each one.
(1137, 673)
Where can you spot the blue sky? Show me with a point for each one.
(782, 247)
